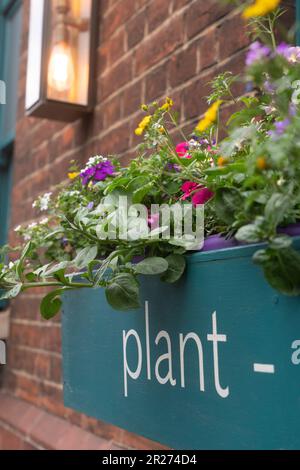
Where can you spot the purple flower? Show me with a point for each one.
(90, 206)
(283, 49)
(294, 54)
(290, 53)
(172, 167)
(257, 51)
(269, 87)
(98, 172)
(280, 128)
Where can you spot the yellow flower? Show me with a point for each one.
(143, 125)
(261, 163)
(209, 117)
(138, 131)
(168, 104)
(222, 161)
(73, 175)
(260, 8)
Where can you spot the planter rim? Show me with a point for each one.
(241, 251)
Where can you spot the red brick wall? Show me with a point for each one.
(147, 49)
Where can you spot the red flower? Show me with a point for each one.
(198, 193)
(182, 150)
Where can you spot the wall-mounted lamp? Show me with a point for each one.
(61, 54)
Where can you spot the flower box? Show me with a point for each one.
(208, 363)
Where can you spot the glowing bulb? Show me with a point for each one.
(61, 68)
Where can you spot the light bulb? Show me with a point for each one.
(61, 68)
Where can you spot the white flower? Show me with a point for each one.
(44, 221)
(18, 228)
(32, 225)
(92, 161)
(44, 201)
(11, 265)
(27, 237)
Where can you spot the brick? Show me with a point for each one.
(194, 97)
(156, 83)
(9, 440)
(209, 49)
(116, 141)
(229, 42)
(160, 44)
(183, 66)
(132, 98)
(112, 111)
(157, 13)
(180, 4)
(201, 14)
(136, 29)
(115, 78)
(117, 16)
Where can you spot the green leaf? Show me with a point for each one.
(123, 292)
(282, 270)
(152, 266)
(137, 183)
(227, 201)
(276, 208)
(11, 293)
(85, 256)
(177, 264)
(56, 268)
(139, 194)
(51, 304)
(248, 233)
(20, 262)
(280, 242)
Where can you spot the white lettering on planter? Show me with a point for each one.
(215, 338)
(164, 357)
(163, 337)
(182, 343)
(296, 353)
(2, 92)
(2, 352)
(133, 374)
(147, 340)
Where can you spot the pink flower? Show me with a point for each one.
(202, 196)
(182, 150)
(153, 220)
(199, 194)
(188, 187)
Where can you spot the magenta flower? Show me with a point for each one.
(97, 172)
(202, 196)
(257, 51)
(188, 187)
(199, 194)
(182, 150)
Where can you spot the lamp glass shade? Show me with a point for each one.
(62, 38)
(69, 55)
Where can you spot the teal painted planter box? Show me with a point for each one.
(212, 362)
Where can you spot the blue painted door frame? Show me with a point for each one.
(8, 8)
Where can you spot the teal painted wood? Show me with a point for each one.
(240, 407)
(10, 33)
(298, 22)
